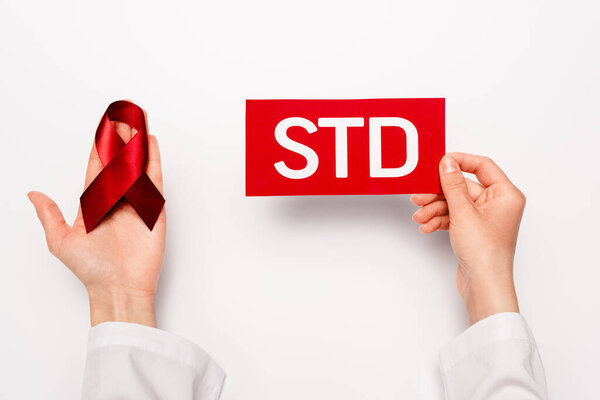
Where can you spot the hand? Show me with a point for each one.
(119, 261)
(483, 220)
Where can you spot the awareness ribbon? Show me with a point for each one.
(123, 175)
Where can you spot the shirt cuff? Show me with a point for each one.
(495, 328)
(162, 344)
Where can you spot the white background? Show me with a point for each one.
(314, 297)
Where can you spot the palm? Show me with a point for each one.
(120, 249)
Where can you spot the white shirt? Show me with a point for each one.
(494, 359)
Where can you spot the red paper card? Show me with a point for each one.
(338, 147)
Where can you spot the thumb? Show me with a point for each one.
(454, 185)
(51, 218)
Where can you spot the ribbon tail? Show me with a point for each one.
(146, 200)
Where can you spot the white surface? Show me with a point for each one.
(296, 298)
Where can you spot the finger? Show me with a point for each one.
(154, 170)
(454, 185)
(422, 199)
(123, 130)
(441, 223)
(486, 170)
(426, 213)
(51, 218)
(475, 188)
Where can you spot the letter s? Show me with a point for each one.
(312, 160)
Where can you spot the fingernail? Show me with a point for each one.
(449, 165)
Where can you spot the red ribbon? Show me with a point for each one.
(123, 175)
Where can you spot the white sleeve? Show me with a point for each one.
(494, 359)
(131, 361)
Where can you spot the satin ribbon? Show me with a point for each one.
(123, 175)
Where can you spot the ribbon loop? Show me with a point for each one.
(123, 175)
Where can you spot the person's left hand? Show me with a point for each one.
(119, 262)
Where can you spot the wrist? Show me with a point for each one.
(119, 304)
(490, 295)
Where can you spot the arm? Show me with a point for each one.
(119, 263)
(496, 357)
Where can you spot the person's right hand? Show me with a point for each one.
(483, 220)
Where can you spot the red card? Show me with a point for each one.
(337, 147)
